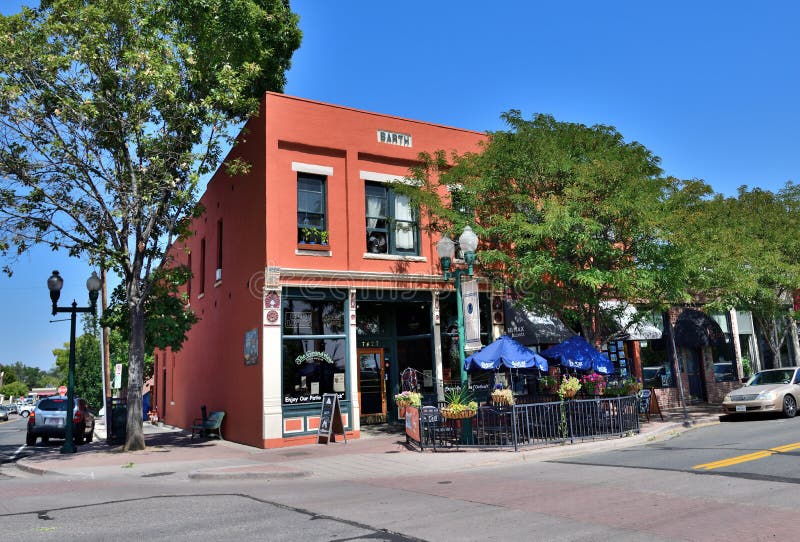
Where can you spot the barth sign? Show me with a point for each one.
(394, 138)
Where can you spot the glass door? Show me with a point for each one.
(371, 382)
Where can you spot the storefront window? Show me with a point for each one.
(724, 367)
(313, 366)
(303, 317)
(656, 368)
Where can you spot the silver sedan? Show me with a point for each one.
(772, 390)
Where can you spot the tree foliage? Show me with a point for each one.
(569, 216)
(167, 315)
(14, 389)
(744, 253)
(110, 113)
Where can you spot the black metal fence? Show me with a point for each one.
(532, 424)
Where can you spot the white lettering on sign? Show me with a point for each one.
(394, 138)
(518, 364)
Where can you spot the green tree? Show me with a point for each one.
(110, 113)
(168, 317)
(31, 377)
(743, 253)
(15, 389)
(569, 214)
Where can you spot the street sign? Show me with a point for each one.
(62, 390)
(117, 376)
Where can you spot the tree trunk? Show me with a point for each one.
(134, 439)
(795, 345)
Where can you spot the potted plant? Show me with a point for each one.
(459, 404)
(616, 388)
(549, 383)
(502, 396)
(406, 399)
(569, 387)
(594, 384)
(323, 237)
(310, 235)
(633, 386)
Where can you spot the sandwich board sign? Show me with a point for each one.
(330, 420)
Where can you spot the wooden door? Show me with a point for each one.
(371, 382)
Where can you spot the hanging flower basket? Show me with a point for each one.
(502, 397)
(569, 394)
(451, 414)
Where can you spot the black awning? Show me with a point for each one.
(695, 329)
(531, 329)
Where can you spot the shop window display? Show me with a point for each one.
(314, 350)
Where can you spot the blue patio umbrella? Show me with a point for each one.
(505, 351)
(577, 353)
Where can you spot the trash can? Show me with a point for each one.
(116, 421)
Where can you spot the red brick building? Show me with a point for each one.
(312, 276)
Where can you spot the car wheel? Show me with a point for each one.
(30, 440)
(25, 413)
(789, 406)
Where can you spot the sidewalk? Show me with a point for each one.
(171, 452)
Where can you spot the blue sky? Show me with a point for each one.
(710, 87)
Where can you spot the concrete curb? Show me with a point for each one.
(30, 469)
(260, 474)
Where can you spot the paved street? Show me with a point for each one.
(376, 489)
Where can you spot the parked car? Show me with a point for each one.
(4, 409)
(25, 409)
(772, 390)
(48, 420)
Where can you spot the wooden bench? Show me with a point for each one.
(211, 426)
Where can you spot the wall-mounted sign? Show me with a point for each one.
(251, 347)
(394, 138)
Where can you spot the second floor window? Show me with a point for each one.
(392, 226)
(311, 222)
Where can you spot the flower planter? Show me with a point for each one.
(502, 401)
(457, 415)
(569, 394)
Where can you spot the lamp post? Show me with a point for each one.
(445, 248)
(54, 284)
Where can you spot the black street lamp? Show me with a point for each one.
(54, 284)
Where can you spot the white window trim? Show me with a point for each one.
(384, 177)
(314, 169)
(300, 252)
(396, 257)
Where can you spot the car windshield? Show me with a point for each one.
(53, 405)
(772, 377)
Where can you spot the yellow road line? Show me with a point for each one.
(747, 457)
